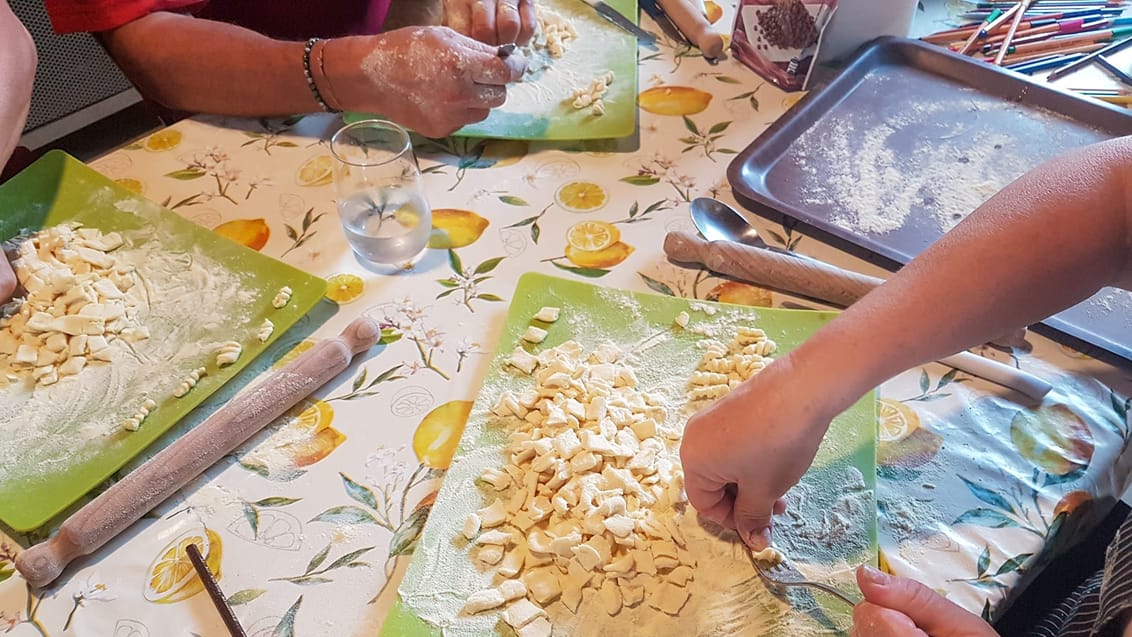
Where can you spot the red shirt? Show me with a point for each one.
(282, 19)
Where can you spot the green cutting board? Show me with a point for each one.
(537, 108)
(590, 315)
(39, 481)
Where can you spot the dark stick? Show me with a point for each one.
(214, 592)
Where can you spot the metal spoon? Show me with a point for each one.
(718, 221)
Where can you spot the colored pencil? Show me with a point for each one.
(1043, 63)
(1115, 70)
(1088, 59)
(1056, 44)
(1019, 12)
(1025, 57)
(975, 33)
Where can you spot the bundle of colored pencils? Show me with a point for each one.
(1040, 35)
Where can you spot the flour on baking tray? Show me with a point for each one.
(191, 297)
(919, 161)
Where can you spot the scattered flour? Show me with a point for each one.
(47, 431)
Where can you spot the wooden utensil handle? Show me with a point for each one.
(810, 278)
(694, 25)
(173, 467)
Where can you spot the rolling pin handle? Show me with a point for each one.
(42, 563)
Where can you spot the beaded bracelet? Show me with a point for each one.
(310, 76)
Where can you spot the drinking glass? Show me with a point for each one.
(381, 200)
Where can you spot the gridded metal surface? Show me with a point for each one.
(74, 72)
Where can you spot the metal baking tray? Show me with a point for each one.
(908, 140)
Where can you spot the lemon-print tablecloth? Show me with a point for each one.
(310, 525)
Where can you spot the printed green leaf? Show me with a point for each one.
(252, 516)
(405, 538)
(754, 102)
(387, 375)
(360, 379)
(925, 381)
(1072, 476)
(641, 180)
(690, 125)
(286, 144)
(1013, 564)
(987, 496)
(591, 273)
(727, 151)
(719, 128)
(657, 286)
(292, 234)
(186, 174)
(6, 572)
(727, 79)
(317, 560)
(277, 501)
(448, 283)
(455, 262)
(345, 515)
(511, 200)
(245, 596)
(286, 626)
(984, 562)
(985, 517)
(347, 558)
(946, 379)
(989, 584)
(986, 603)
(536, 232)
(489, 297)
(389, 335)
(525, 222)
(358, 492)
(446, 293)
(488, 266)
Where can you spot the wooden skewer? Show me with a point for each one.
(103, 518)
(214, 592)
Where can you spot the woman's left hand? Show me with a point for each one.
(492, 21)
(900, 607)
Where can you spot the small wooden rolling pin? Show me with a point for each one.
(692, 22)
(161, 476)
(827, 283)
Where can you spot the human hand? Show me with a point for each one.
(741, 454)
(7, 279)
(430, 79)
(493, 21)
(900, 607)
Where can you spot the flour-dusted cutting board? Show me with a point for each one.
(727, 598)
(60, 441)
(539, 107)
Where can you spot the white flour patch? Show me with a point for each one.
(48, 430)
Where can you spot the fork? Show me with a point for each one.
(784, 574)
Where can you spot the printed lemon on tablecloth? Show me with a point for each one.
(505, 152)
(738, 293)
(299, 438)
(581, 196)
(343, 288)
(293, 353)
(712, 11)
(901, 441)
(252, 233)
(452, 228)
(316, 171)
(131, 184)
(162, 141)
(171, 577)
(439, 432)
(595, 244)
(1054, 438)
(674, 100)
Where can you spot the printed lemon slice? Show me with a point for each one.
(316, 171)
(171, 577)
(252, 233)
(162, 141)
(343, 288)
(581, 196)
(712, 11)
(674, 100)
(591, 236)
(895, 420)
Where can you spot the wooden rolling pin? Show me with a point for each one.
(807, 277)
(173, 467)
(692, 22)
(827, 283)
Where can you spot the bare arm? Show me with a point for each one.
(430, 79)
(1047, 241)
(17, 75)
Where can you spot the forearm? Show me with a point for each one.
(17, 75)
(205, 66)
(1045, 242)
